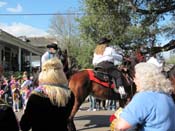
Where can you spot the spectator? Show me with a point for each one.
(93, 105)
(154, 61)
(152, 107)
(8, 120)
(15, 96)
(51, 103)
(25, 90)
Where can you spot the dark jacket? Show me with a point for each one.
(8, 121)
(42, 115)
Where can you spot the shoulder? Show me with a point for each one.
(144, 96)
(142, 99)
(138, 109)
(46, 53)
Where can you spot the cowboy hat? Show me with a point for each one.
(52, 45)
(103, 40)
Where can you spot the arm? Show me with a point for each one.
(95, 59)
(44, 57)
(122, 125)
(116, 55)
(132, 114)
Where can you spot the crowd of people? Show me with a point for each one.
(51, 101)
(96, 104)
(15, 92)
(16, 89)
(44, 105)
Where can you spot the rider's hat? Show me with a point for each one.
(52, 45)
(104, 40)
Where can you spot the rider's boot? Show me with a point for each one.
(120, 89)
(122, 92)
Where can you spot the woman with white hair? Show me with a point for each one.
(50, 104)
(152, 107)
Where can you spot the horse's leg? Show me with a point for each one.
(77, 104)
(79, 99)
(81, 89)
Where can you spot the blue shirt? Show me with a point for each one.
(155, 111)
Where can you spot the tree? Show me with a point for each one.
(104, 18)
(64, 29)
(129, 23)
(126, 22)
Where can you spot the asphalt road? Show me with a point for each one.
(89, 120)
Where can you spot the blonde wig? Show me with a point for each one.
(53, 80)
(100, 49)
(151, 78)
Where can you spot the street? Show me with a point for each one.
(89, 120)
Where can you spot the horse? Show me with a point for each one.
(82, 85)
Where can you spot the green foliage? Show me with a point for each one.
(171, 60)
(124, 21)
(104, 18)
(130, 23)
(16, 74)
(86, 54)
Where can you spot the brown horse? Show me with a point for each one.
(81, 85)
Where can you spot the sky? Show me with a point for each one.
(35, 25)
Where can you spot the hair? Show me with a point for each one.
(100, 49)
(152, 79)
(51, 78)
(171, 75)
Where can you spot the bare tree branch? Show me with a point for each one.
(158, 11)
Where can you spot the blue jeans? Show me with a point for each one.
(92, 101)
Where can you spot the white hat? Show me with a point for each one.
(154, 61)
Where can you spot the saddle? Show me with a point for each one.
(103, 75)
(94, 76)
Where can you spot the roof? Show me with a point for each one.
(41, 41)
(8, 38)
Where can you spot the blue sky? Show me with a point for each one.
(28, 25)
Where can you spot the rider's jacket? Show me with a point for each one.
(109, 55)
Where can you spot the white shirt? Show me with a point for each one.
(46, 56)
(26, 83)
(109, 55)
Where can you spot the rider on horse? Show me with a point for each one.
(106, 57)
(55, 51)
(50, 53)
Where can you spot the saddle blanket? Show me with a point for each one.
(93, 78)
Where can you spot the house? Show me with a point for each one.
(17, 54)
